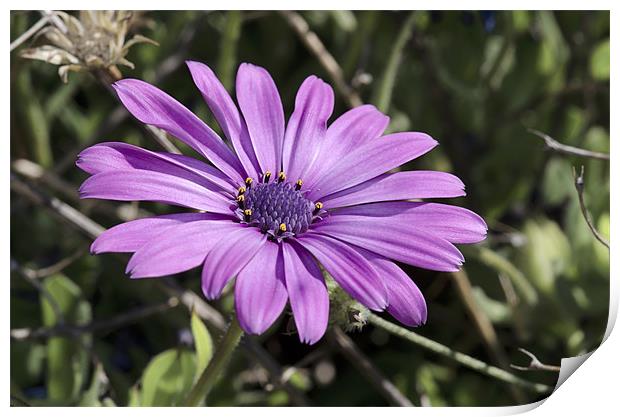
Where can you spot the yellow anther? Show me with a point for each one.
(247, 212)
(241, 198)
(298, 184)
(266, 176)
(318, 206)
(248, 181)
(242, 190)
(282, 227)
(281, 176)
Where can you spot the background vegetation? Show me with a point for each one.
(84, 334)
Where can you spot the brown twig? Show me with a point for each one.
(327, 61)
(579, 186)
(556, 146)
(535, 364)
(357, 358)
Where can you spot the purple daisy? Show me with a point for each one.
(278, 199)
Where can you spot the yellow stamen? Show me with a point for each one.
(241, 199)
(267, 176)
(298, 184)
(247, 212)
(318, 206)
(242, 190)
(282, 227)
(248, 181)
(281, 176)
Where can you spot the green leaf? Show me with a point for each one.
(98, 385)
(67, 361)
(203, 343)
(599, 61)
(168, 378)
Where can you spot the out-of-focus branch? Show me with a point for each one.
(383, 95)
(535, 364)
(29, 33)
(37, 274)
(327, 61)
(61, 209)
(121, 320)
(357, 358)
(579, 186)
(27, 274)
(556, 146)
(483, 324)
(461, 358)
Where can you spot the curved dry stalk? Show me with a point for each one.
(579, 186)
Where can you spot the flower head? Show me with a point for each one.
(95, 40)
(285, 198)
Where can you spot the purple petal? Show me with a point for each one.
(131, 236)
(261, 106)
(307, 293)
(398, 186)
(348, 132)
(226, 114)
(371, 159)
(178, 248)
(141, 185)
(307, 126)
(350, 269)
(406, 302)
(260, 292)
(452, 223)
(117, 156)
(228, 257)
(393, 239)
(152, 106)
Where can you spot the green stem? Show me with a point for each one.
(209, 376)
(463, 359)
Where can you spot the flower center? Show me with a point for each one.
(278, 208)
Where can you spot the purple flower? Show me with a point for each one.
(281, 199)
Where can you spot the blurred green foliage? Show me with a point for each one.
(475, 81)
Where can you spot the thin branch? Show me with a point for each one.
(461, 358)
(368, 369)
(29, 33)
(535, 364)
(579, 186)
(112, 323)
(556, 146)
(327, 61)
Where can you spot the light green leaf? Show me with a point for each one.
(203, 343)
(599, 61)
(168, 378)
